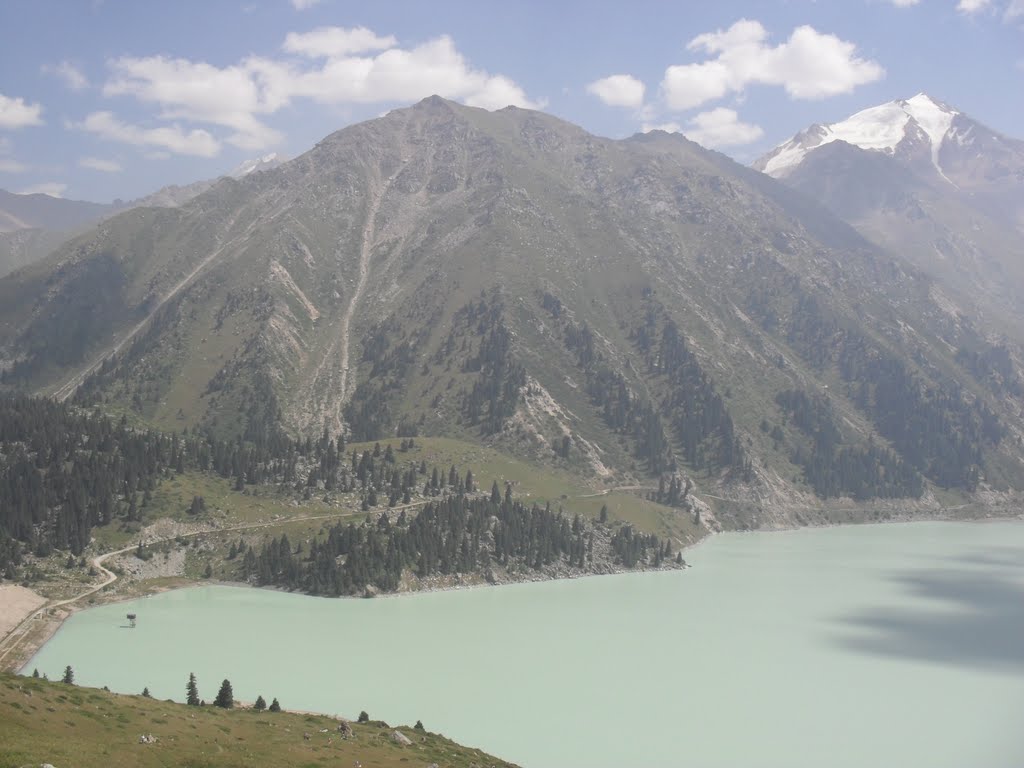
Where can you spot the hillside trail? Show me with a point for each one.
(337, 394)
(71, 386)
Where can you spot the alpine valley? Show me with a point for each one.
(639, 327)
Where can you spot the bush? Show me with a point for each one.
(363, 717)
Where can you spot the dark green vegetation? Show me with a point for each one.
(66, 472)
(43, 722)
(457, 535)
(639, 313)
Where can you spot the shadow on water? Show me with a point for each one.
(975, 618)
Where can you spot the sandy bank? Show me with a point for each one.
(16, 604)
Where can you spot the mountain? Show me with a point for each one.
(31, 226)
(639, 313)
(174, 195)
(38, 211)
(925, 180)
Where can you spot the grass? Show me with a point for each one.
(47, 722)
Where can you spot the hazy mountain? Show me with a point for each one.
(928, 182)
(174, 195)
(31, 226)
(621, 309)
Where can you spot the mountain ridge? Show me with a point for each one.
(627, 310)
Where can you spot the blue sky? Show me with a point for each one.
(116, 98)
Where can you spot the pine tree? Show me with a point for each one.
(192, 691)
(145, 693)
(363, 717)
(275, 706)
(260, 704)
(35, 672)
(69, 675)
(419, 725)
(225, 697)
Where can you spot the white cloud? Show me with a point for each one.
(904, 3)
(809, 65)
(51, 188)
(99, 164)
(199, 92)
(7, 165)
(172, 137)
(70, 74)
(972, 6)
(667, 127)
(301, 5)
(336, 41)
(17, 113)
(721, 127)
(239, 96)
(1014, 10)
(618, 91)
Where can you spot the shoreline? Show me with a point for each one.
(30, 645)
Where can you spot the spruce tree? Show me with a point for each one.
(145, 693)
(225, 697)
(69, 675)
(275, 706)
(192, 691)
(260, 704)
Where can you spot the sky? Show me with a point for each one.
(105, 99)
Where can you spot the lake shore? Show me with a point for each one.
(42, 629)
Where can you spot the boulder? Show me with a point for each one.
(400, 738)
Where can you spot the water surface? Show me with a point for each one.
(896, 645)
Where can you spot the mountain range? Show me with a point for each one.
(639, 312)
(33, 225)
(929, 183)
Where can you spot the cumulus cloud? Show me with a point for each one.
(809, 65)
(99, 164)
(336, 41)
(196, 142)
(972, 6)
(334, 66)
(51, 188)
(8, 165)
(669, 127)
(618, 91)
(70, 74)
(15, 112)
(721, 127)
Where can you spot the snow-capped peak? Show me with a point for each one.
(264, 163)
(880, 129)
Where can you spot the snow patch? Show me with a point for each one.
(879, 129)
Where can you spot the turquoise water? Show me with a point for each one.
(894, 645)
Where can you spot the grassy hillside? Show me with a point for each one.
(45, 722)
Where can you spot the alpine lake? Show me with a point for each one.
(898, 645)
